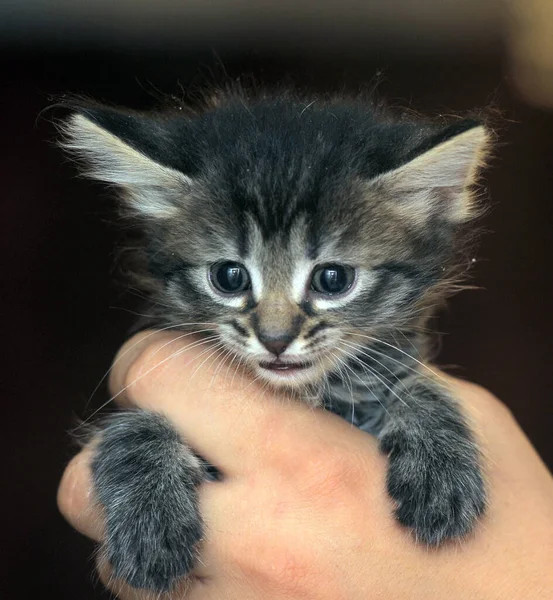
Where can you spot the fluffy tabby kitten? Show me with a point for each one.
(312, 239)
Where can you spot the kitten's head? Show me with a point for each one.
(290, 229)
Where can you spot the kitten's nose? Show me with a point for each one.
(276, 344)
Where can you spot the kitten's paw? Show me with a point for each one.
(151, 551)
(438, 488)
(145, 479)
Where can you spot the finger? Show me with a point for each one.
(225, 415)
(76, 500)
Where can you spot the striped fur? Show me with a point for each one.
(284, 188)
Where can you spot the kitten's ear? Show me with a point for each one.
(438, 181)
(130, 151)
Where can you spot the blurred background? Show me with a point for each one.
(63, 314)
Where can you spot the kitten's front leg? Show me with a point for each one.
(434, 472)
(145, 480)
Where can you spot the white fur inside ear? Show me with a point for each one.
(439, 181)
(152, 188)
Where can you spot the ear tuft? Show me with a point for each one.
(151, 189)
(439, 181)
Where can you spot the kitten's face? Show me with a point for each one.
(289, 233)
(292, 298)
(285, 313)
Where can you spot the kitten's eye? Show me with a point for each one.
(332, 280)
(230, 277)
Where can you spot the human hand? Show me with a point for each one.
(302, 511)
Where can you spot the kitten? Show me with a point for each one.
(313, 240)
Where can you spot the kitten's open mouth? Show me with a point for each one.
(284, 367)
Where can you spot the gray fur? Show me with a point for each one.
(282, 191)
(434, 474)
(145, 479)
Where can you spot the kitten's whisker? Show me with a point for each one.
(351, 395)
(264, 387)
(385, 380)
(238, 365)
(213, 350)
(221, 352)
(392, 334)
(257, 378)
(133, 346)
(382, 379)
(180, 337)
(236, 355)
(395, 360)
(378, 341)
(325, 384)
(360, 349)
(220, 355)
(363, 383)
(263, 390)
(223, 359)
(121, 391)
(409, 341)
(421, 309)
(210, 351)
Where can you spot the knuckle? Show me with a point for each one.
(487, 402)
(277, 569)
(289, 571)
(66, 492)
(288, 566)
(494, 404)
(499, 412)
(74, 498)
(72, 501)
(269, 554)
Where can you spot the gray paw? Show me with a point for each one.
(436, 482)
(145, 479)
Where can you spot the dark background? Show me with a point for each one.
(63, 316)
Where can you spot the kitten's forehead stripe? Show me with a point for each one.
(243, 241)
(313, 238)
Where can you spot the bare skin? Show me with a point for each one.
(302, 512)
